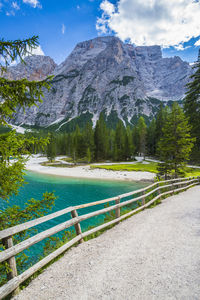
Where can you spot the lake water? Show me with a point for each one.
(70, 192)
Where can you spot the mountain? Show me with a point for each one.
(36, 67)
(103, 75)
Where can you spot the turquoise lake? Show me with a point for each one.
(70, 191)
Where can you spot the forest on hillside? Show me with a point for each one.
(101, 143)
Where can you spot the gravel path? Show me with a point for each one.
(152, 255)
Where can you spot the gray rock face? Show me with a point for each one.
(36, 67)
(107, 75)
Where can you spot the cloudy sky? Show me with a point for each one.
(173, 24)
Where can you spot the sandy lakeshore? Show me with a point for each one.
(34, 164)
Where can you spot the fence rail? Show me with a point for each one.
(161, 189)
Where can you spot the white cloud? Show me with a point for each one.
(78, 7)
(63, 28)
(181, 47)
(162, 22)
(107, 7)
(197, 43)
(36, 51)
(15, 5)
(103, 22)
(34, 3)
(13, 63)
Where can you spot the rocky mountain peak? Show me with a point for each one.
(83, 52)
(153, 53)
(35, 67)
(105, 75)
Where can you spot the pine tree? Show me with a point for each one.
(16, 93)
(129, 146)
(135, 138)
(88, 155)
(111, 144)
(51, 148)
(75, 143)
(142, 133)
(119, 142)
(176, 143)
(151, 138)
(101, 139)
(88, 137)
(160, 121)
(80, 143)
(192, 108)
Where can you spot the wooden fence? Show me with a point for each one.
(156, 190)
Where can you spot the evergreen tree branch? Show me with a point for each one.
(21, 93)
(11, 50)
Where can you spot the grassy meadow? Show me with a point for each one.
(145, 167)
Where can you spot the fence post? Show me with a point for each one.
(158, 191)
(187, 182)
(177, 186)
(77, 226)
(190, 178)
(143, 199)
(196, 179)
(8, 243)
(117, 210)
(173, 188)
(158, 185)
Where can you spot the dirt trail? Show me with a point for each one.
(152, 255)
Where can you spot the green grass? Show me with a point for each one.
(68, 159)
(150, 167)
(192, 172)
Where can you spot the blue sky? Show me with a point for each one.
(62, 24)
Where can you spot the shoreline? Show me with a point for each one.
(34, 165)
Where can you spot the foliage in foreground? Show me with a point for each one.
(15, 215)
(14, 147)
(16, 94)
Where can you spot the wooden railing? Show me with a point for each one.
(161, 189)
